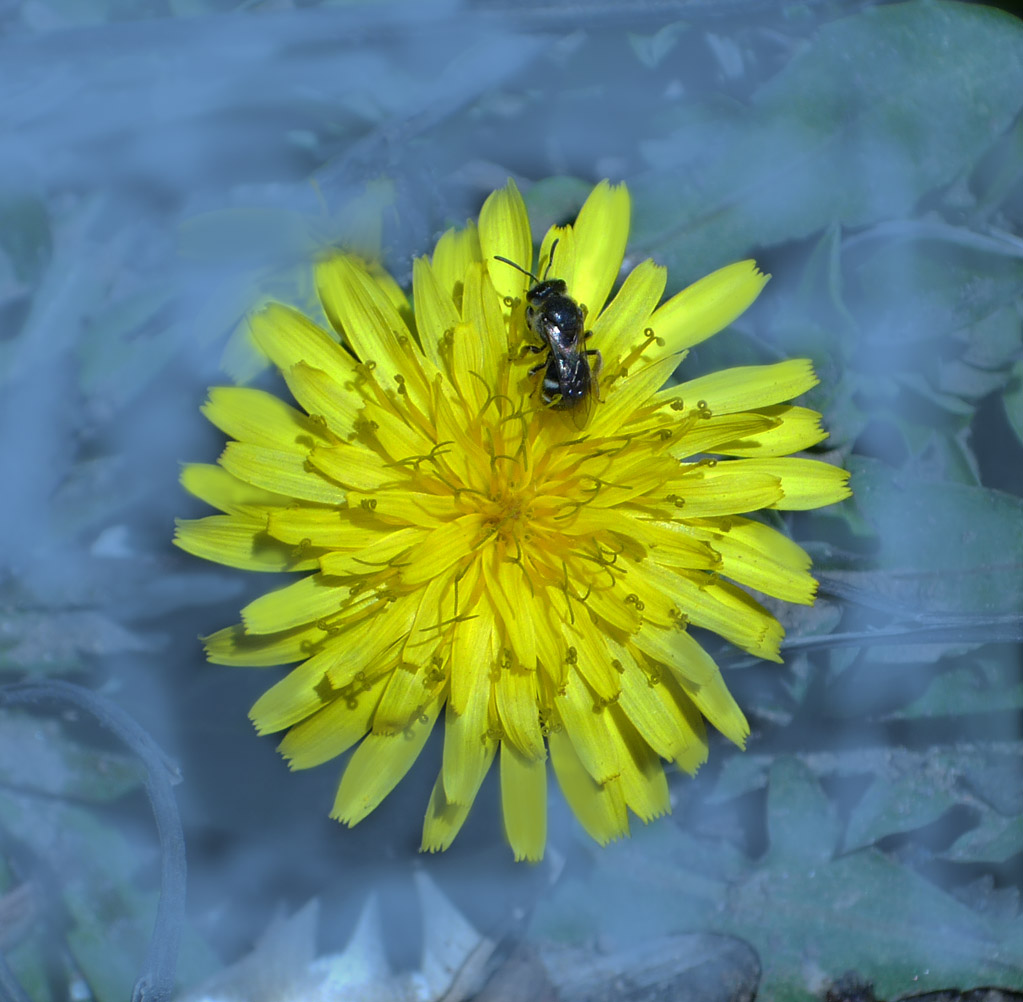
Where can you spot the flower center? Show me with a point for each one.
(509, 511)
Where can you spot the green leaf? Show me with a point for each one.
(809, 913)
(801, 821)
(553, 200)
(920, 290)
(995, 840)
(882, 919)
(651, 50)
(95, 868)
(846, 132)
(1012, 400)
(942, 546)
(989, 684)
(897, 803)
(25, 236)
(57, 641)
(37, 755)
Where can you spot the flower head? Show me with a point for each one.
(528, 570)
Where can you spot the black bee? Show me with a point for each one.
(558, 321)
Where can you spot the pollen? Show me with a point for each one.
(492, 523)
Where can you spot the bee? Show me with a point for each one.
(558, 321)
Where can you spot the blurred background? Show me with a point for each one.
(166, 164)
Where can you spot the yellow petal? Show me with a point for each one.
(332, 730)
(601, 231)
(505, 587)
(339, 406)
(560, 240)
(712, 434)
(746, 386)
(378, 550)
(795, 429)
(587, 727)
(359, 309)
(807, 483)
(629, 392)
(408, 690)
(441, 549)
(337, 528)
(518, 709)
(260, 418)
(303, 601)
(504, 231)
(643, 782)
(443, 820)
(218, 488)
(726, 488)
(233, 646)
(239, 542)
(706, 307)
(592, 660)
(468, 745)
(600, 807)
(482, 311)
(707, 602)
(695, 753)
(435, 310)
(657, 717)
(711, 695)
(280, 472)
(620, 327)
(473, 645)
(524, 803)
(354, 467)
(287, 338)
(301, 692)
(378, 765)
(455, 250)
(753, 566)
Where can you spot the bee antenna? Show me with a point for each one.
(517, 267)
(550, 260)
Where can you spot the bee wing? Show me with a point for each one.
(578, 376)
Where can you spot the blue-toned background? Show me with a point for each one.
(166, 164)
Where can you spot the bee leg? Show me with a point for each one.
(597, 369)
(537, 368)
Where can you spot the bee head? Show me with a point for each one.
(544, 291)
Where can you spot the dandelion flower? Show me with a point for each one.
(528, 571)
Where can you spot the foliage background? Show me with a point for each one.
(165, 164)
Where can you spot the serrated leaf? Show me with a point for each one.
(650, 50)
(60, 641)
(37, 755)
(942, 546)
(995, 840)
(1012, 400)
(801, 821)
(553, 200)
(809, 913)
(987, 685)
(920, 290)
(25, 236)
(847, 131)
(902, 803)
(994, 342)
(95, 869)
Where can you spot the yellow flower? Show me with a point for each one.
(530, 571)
